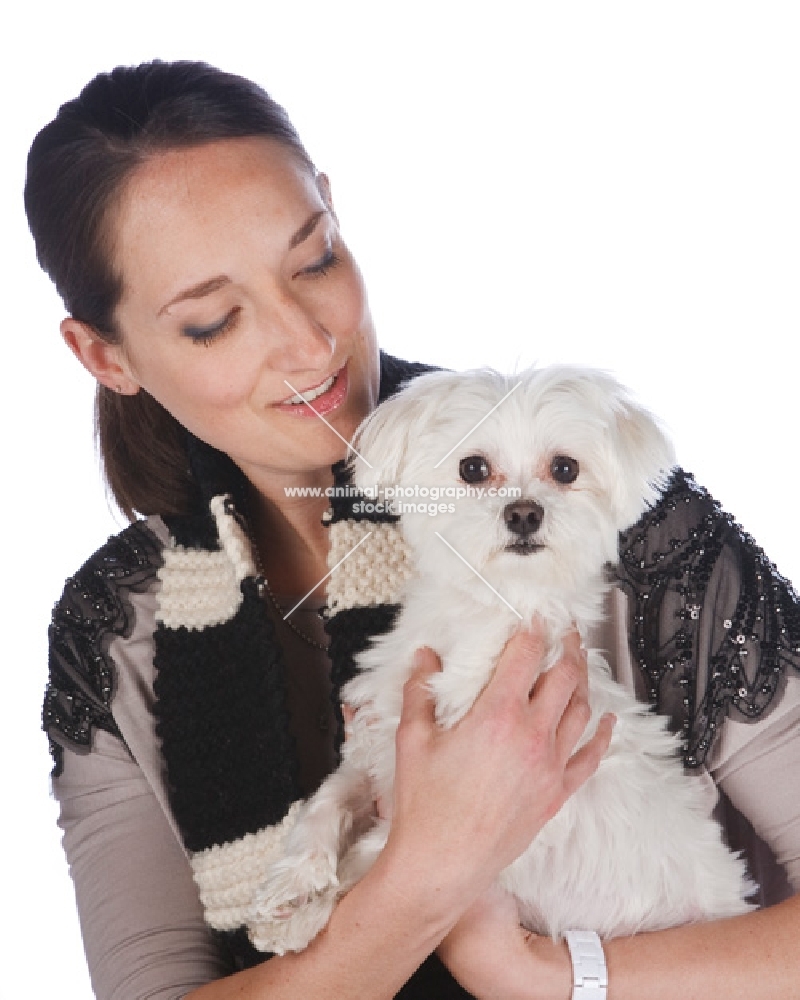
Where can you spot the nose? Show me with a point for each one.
(298, 341)
(523, 517)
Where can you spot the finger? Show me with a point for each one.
(584, 762)
(554, 690)
(573, 648)
(521, 661)
(417, 701)
(572, 725)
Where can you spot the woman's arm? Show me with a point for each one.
(141, 920)
(458, 819)
(755, 955)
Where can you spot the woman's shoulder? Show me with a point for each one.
(95, 607)
(714, 626)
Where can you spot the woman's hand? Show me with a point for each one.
(492, 955)
(469, 800)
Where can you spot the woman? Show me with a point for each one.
(209, 291)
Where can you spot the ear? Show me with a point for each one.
(380, 444)
(103, 360)
(645, 457)
(386, 436)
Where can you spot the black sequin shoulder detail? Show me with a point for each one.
(93, 610)
(714, 624)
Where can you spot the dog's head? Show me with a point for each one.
(530, 478)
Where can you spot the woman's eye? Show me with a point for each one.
(564, 469)
(474, 469)
(329, 260)
(205, 334)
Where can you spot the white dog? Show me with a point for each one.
(635, 848)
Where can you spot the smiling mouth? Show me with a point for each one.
(309, 395)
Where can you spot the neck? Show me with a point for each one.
(291, 539)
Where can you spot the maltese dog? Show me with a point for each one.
(545, 468)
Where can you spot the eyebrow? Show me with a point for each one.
(306, 229)
(197, 291)
(214, 284)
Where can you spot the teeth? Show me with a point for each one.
(311, 394)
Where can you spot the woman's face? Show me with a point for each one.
(237, 291)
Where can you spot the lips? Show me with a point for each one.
(319, 399)
(308, 395)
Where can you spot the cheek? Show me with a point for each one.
(343, 309)
(198, 379)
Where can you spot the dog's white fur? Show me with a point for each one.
(635, 848)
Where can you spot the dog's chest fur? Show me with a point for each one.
(634, 849)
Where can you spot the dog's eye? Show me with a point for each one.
(474, 469)
(564, 469)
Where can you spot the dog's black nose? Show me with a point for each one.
(523, 517)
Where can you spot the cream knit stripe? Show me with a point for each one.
(375, 573)
(201, 588)
(227, 875)
(198, 588)
(233, 539)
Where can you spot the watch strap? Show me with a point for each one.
(589, 973)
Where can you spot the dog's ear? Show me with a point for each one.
(644, 455)
(382, 440)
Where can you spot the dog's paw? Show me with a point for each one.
(293, 903)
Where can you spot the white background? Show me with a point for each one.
(607, 183)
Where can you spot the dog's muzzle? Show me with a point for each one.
(523, 519)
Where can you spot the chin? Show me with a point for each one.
(564, 462)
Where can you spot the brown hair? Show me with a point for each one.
(77, 167)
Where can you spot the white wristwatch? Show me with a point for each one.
(589, 973)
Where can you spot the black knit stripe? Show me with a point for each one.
(237, 950)
(223, 724)
(349, 506)
(395, 373)
(215, 473)
(351, 632)
(193, 531)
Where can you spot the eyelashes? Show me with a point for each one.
(205, 334)
(328, 261)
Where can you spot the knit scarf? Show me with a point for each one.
(221, 690)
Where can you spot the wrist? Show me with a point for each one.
(436, 904)
(553, 968)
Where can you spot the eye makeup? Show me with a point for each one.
(206, 334)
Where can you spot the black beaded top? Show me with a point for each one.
(714, 625)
